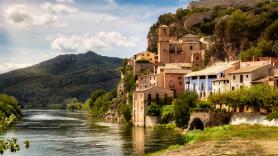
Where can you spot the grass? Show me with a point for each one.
(224, 134)
(228, 132)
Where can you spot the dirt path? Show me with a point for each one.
(231, 147)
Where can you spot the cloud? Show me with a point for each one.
(99, 42)
(45, 15)
(111, 3)
(6, 67)
(65, 1)
(58, 8)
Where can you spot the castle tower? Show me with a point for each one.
(163, 44)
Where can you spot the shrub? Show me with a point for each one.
(182, 107)
(271, 116)
(167, 114)
(153, 110)
(127, 113)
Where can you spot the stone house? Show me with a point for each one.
(141, 100)
(146, 55)
(187, 49)
(250, 73)
(202, 81)
(146, 81)
(221, 85)
(170, 76)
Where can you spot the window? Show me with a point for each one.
(157, 98)
(204, 94)
(221, 75)
(202, 86)
(164, 30)
(148, 54)
(149, 97)
(233, 88)
(219, 82)
(247, 76)
(197, 58)
(171, 83)
(202, 77)
(179, 78)
(212, 76)
(164, 50)
(190, 47)
(194, 86)
(234, 77)
(241, 78)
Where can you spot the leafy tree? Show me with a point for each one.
(167, 113)
(182, 105)
(153, 110)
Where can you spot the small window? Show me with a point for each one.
(164, 50)
(247, 76)
(234, 77)
(179, 78)
(190, 47)
(180, 83)
(233, 88)
(197, 58)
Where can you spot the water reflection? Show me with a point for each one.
(60, 133)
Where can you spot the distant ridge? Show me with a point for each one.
(223, 3)
(65, 76)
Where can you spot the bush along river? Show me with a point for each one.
(62, 133)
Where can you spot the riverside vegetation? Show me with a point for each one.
(9, 115)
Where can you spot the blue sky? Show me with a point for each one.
(32, 31)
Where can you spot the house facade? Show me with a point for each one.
(142, 99)
(202, 81)
(250, 73)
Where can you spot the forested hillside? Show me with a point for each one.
(67, 76)
(239, 31)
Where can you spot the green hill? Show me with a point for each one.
(65, 76)
(242, 31)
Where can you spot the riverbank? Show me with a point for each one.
(227, 140)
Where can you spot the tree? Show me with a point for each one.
(182, 106)
(167, 113)
(153, 110)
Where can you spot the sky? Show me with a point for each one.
(32, 31)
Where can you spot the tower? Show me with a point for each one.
(163, 44)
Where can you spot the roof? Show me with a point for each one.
(261, 80)
(154, 88)
(176, 68)
(190, 35)
(221, 79)
(247, 69)
(213, 70)
(163, 26)
(181, 71)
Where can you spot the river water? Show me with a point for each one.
(62, 133)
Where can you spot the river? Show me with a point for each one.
(62, 133)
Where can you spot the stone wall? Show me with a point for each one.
(209, 119)
(152, 121)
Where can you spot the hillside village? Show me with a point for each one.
(178, 66)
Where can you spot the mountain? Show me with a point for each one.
(65, 76)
